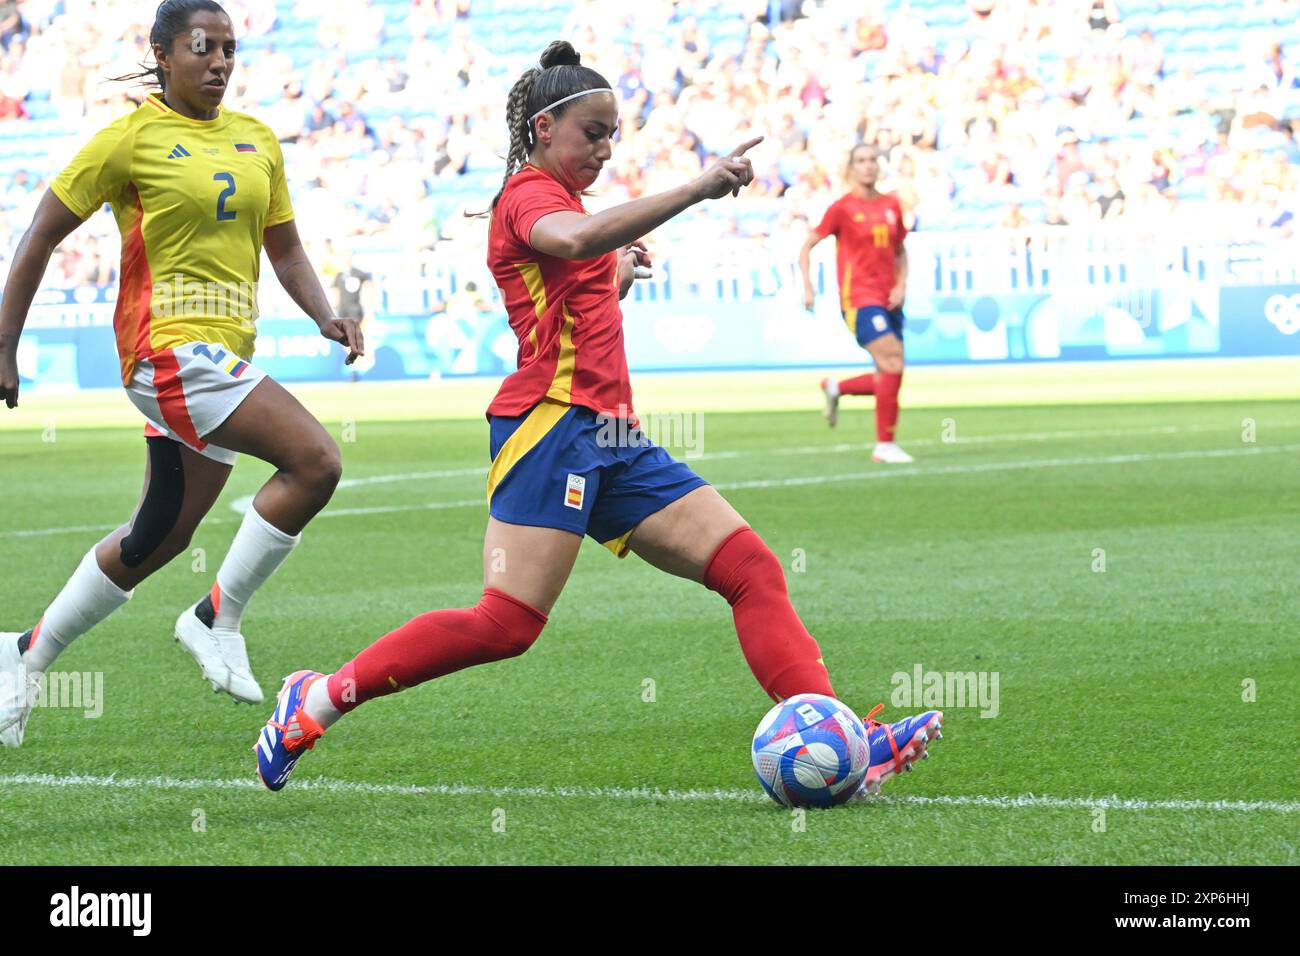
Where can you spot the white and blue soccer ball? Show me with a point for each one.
(810, 751)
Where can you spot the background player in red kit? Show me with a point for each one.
(555, 474)
(871, 265)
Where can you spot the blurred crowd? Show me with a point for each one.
(988, 113)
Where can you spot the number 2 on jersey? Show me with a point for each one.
(224, 215)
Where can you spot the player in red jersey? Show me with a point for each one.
(556, 474)
(871, 265)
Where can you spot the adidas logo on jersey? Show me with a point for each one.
(178, 153)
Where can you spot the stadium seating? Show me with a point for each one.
(458, 65)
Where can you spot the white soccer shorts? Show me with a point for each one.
(186, 392)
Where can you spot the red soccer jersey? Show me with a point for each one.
(868, 235)
(564, 312)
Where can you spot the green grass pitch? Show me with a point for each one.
(1146, 714)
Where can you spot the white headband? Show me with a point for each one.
(565, 99)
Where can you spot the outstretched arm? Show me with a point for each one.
(52, 224)
(571, 235)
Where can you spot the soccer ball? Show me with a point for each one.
(810, 751)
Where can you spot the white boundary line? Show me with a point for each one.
(412, 476)
(1024, 437)
(1033, 463)
(877, 474)
(1027, 801)
(240, 505)
(78, 528)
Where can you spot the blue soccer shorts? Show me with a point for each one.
(871, 322)
(564, 466)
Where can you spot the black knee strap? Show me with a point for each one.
(161, 507)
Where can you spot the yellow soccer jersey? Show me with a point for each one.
(191, 199)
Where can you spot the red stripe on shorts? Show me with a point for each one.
(171, 398)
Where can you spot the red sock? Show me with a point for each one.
(887, 385)
(782, 654)
(435, 644)
(862, 385)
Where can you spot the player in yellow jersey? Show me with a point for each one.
(197, 192)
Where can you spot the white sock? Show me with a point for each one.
(87, 598)
(258, 549)
(832, 388)
(318, 705)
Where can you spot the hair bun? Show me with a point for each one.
(559, 53)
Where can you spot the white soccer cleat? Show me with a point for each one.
(891, 454)
(16, 691)
(832, 410)
(221, 655)
(242, 684)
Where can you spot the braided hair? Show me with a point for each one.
(558, 73)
